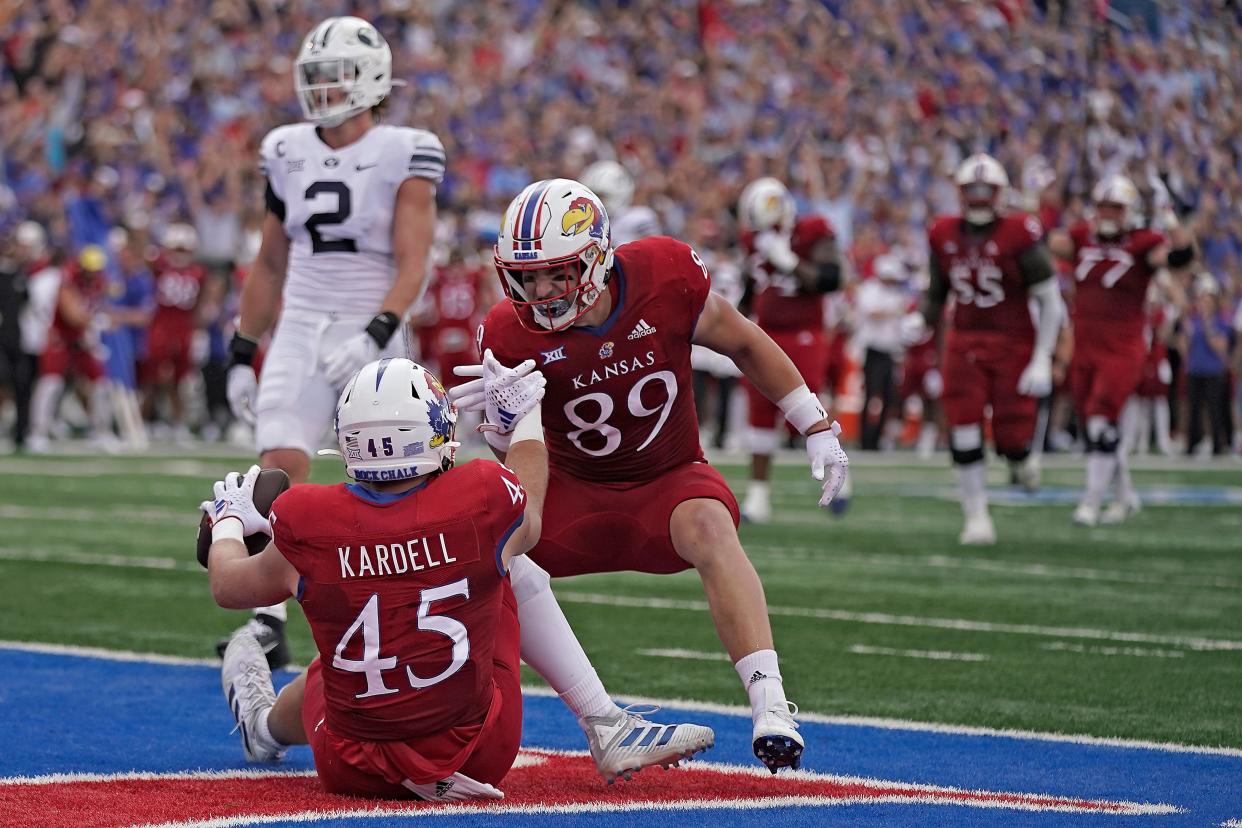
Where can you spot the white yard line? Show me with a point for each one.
(695, 655)
(10, 553)
(1034, 570)
(886, 619)
(103, 513)
(1140, 652)
(712, 707)
(933, 655)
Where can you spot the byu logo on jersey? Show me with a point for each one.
(553, 355)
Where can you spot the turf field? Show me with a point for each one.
(1131, 631)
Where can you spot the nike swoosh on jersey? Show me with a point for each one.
(361, 167)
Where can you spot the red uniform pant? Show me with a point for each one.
(495, 747)
(613, 527)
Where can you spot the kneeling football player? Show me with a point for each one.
(398, 701)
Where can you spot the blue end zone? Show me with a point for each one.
(64, 714)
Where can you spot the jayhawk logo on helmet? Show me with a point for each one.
(583, 214)
(438, 412)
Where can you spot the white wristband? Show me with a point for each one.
(529, 427)
(802, 409)
(498, 441)
(227, 527)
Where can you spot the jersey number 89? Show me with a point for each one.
(634, 402)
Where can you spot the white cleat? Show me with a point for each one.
(978, 531)
(247, 683)
(1119, 511)
(757, 508)
(775, 738)
(1087, 514)
(624, 743)
(1028, 474)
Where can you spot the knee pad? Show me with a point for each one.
(527, 578)
(1102, 435)
(966, 444)
(1014, 455)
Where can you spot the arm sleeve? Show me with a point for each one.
(505, 505)
(425, 156)
(695, 285)
(1035, 264)
(937, 292)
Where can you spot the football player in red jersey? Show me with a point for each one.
(628, 486)
(792, 264)
(178, 286)
(992, 264)
(1114, 258)
(458, 295)
(398, 703)
(72, 351)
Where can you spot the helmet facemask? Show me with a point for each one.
(1110, 219)
(979, 203)
(587, 273)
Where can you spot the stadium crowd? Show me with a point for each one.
(129, 135)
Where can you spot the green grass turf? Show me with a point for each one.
(1172, 578)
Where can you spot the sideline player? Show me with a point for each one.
(1115, 258)
(614, 185)
(344, 253)
(399, 702)
(791, 265)
(993, 264)
(628, 487)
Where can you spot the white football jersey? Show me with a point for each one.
(632, 224)
(337, 209)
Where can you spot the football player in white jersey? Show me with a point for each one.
(350, 217)
(615, 186)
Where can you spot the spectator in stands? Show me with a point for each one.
(1209, 340)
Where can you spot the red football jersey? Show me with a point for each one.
(1110, 284)
(779, 303)
(984, 279)
(402, 593)
(90, 287)
(455, 294)
(619, 405)
(176, 295)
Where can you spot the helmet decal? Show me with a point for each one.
(582, 214)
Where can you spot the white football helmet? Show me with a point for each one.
(180, 237)
(766, 205)
(981, 182)
(1116, 191)
(552, 223)
(612, 183)
(343, 68)
(31, 236)
(395, 421)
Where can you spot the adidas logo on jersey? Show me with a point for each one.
(641, 329)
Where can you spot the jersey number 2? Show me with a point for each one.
(373, 666)
(338, 216)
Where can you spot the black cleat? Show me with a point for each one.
(269, 631)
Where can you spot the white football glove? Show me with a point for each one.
(243, 391)
(505, 395)
(913, 328)
(456, 788)
(1036, 380)
(829, 461)
(774, 248)
(234, 497)
(349, 356)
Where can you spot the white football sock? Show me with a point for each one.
(277, 611)
(1125, 485)
(262, 734)
(1100, 468)
(971, 486)
(43, 404)
(549, 645)
(761, 676)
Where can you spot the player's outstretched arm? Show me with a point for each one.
(1041, 285)
(724, 330)
(239, 581)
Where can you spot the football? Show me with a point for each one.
(267, 487)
